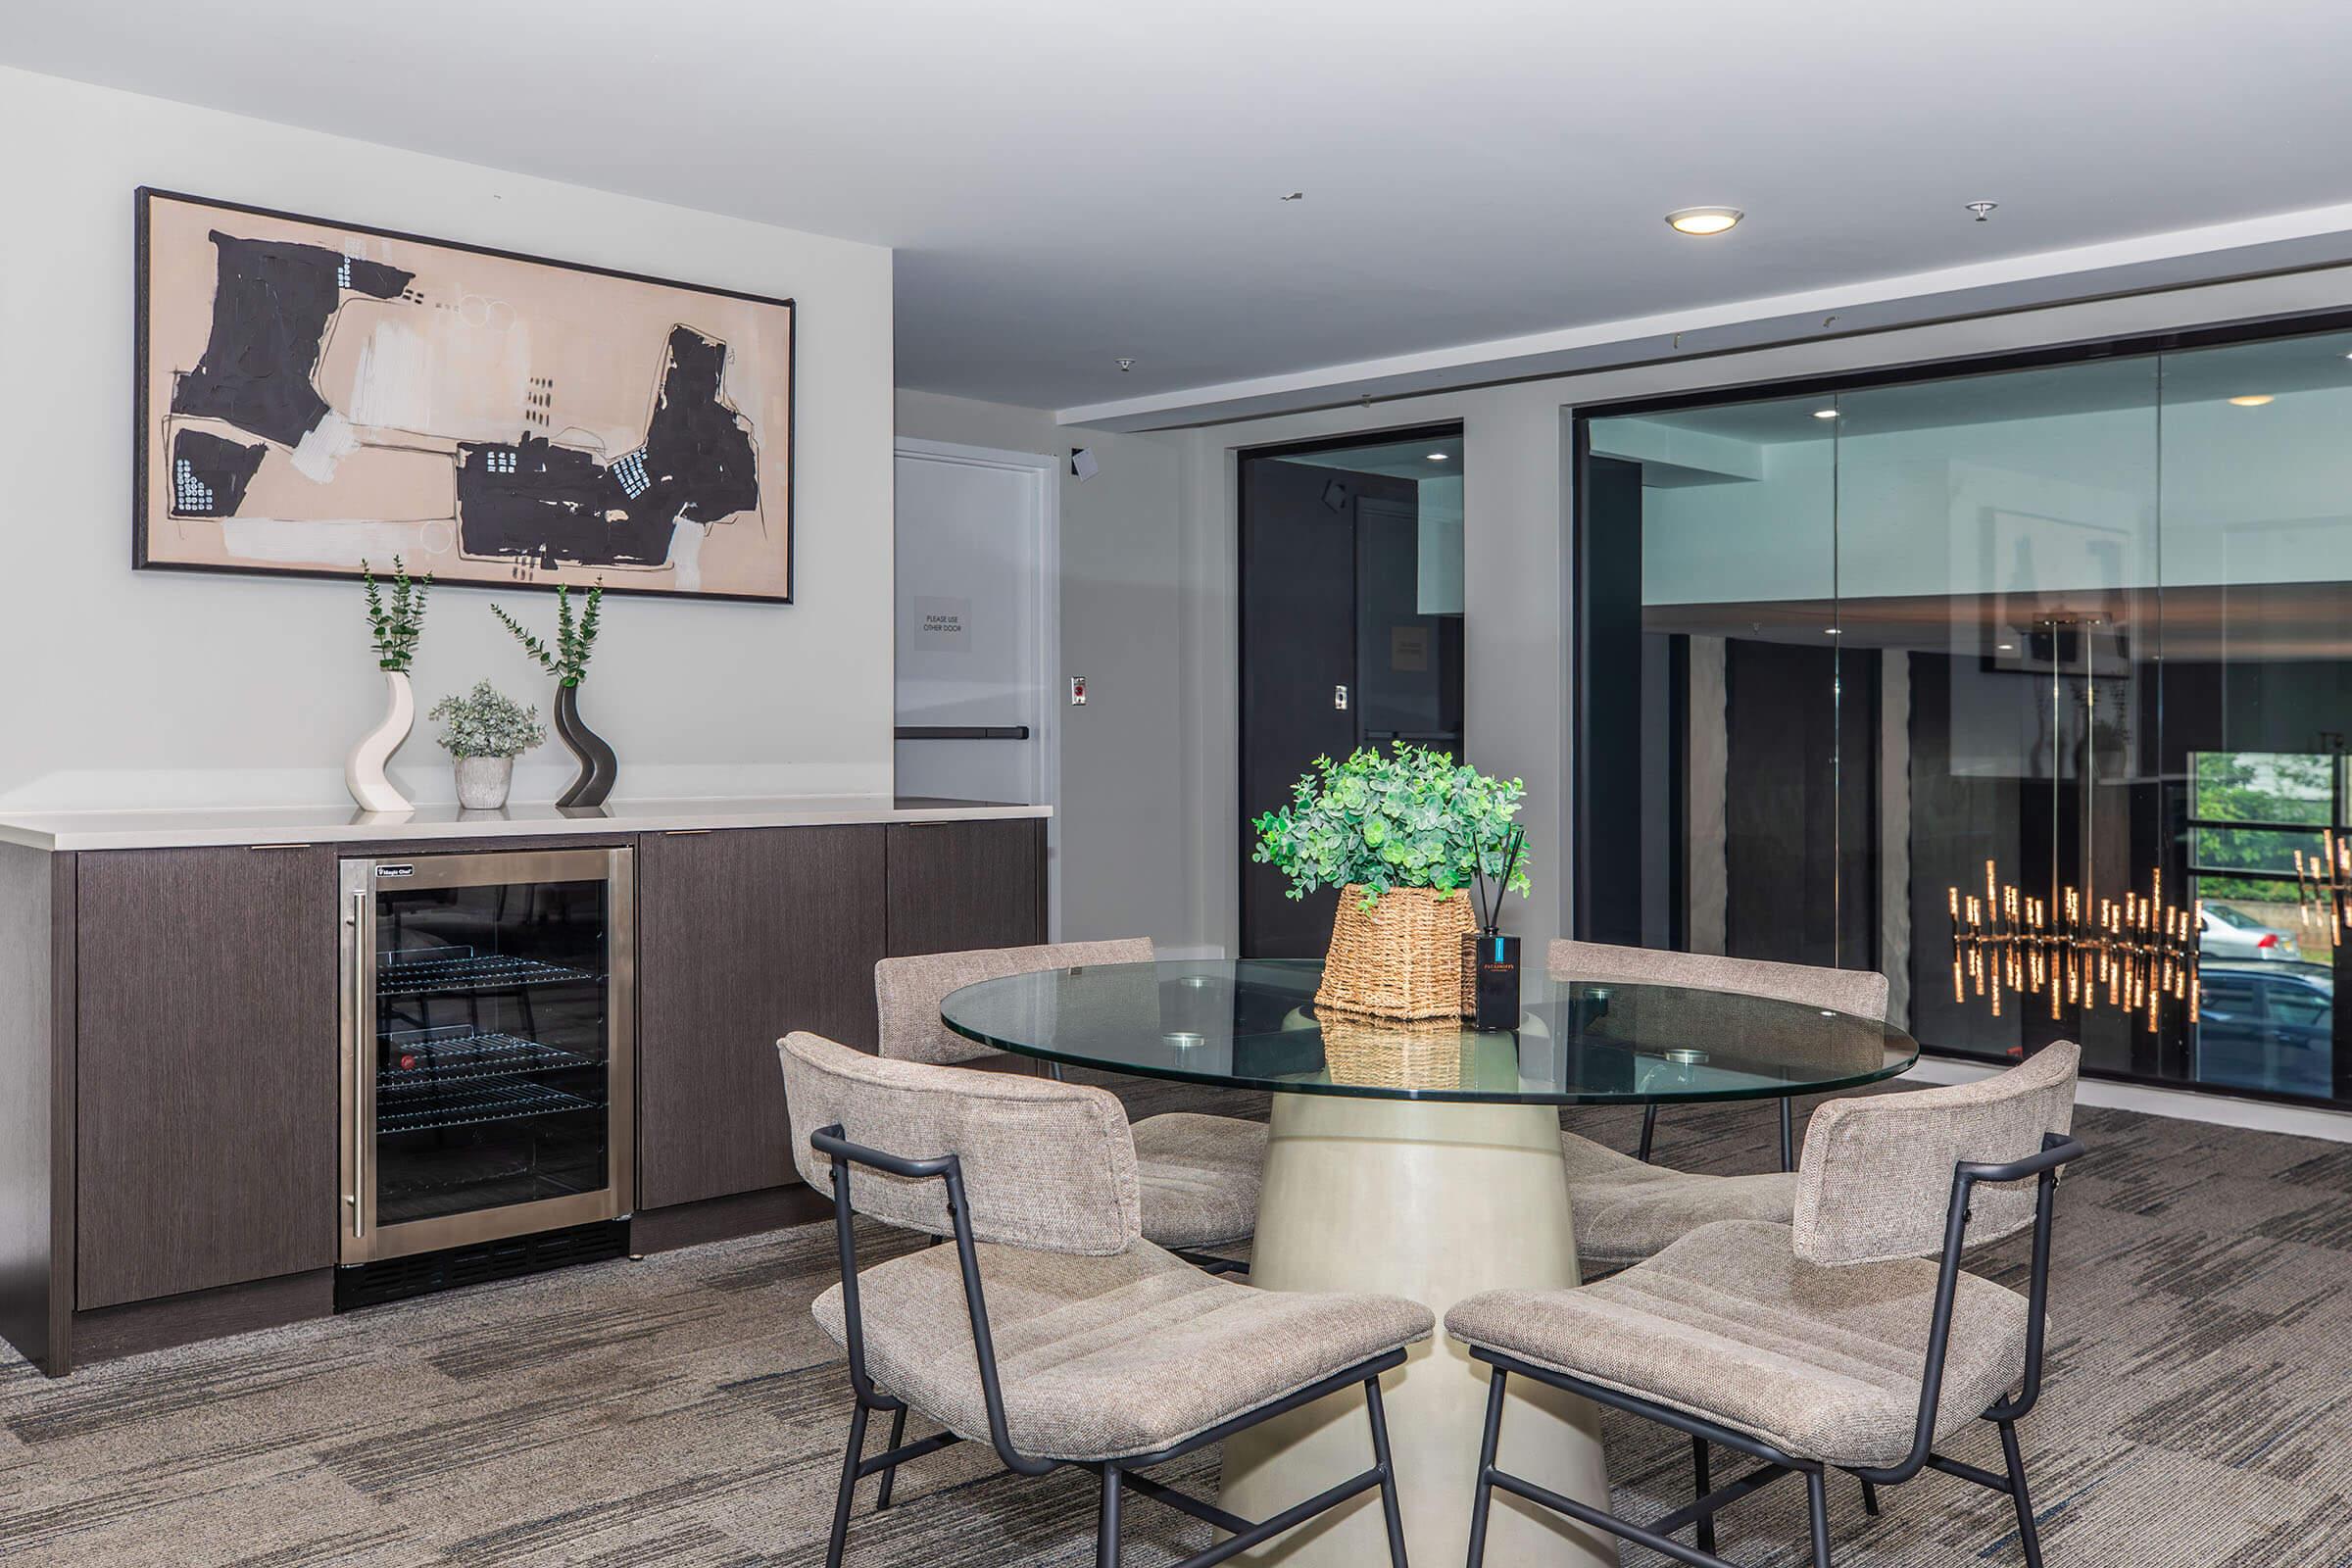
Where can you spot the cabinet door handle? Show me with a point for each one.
(362, 963)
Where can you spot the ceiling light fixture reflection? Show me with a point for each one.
(1703, 220)
(1439, 457)
(1824, 414)
(2252, 399)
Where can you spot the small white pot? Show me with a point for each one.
(364, 770)
(483, 782)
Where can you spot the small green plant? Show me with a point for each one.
(575, 640)
(398, 621)
(487, 722)
(1405, 818)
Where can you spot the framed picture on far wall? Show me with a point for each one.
(315, 394)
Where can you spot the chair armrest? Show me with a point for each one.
(2056, 1150)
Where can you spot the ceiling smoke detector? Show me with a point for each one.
(1982, 210)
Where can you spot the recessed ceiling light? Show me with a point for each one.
(1824, 414)
(2004, 648)
(2252, 399)
(1439, 457)
(1703, 220)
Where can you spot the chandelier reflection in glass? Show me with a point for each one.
(2324, 884)
(2135, 956)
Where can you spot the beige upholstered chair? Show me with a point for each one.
(1051, 1329)
(1628, 1209)
(1851, 1339)
(1199, 1174)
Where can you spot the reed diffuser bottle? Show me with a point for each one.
(1491, 960)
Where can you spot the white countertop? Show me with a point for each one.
(347, 824)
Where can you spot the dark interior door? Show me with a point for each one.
(1297, 650)
(1336, 652)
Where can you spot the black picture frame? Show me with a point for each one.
(141, 560)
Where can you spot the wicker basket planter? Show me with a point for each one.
(1400, 958)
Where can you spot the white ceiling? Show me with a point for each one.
(1067, 183)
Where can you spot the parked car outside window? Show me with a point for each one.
(2229, 932)
(2267, 1027)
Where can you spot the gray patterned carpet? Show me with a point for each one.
(686, 1411)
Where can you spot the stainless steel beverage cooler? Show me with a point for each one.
(488, 1043)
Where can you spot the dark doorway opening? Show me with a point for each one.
(1350, 631)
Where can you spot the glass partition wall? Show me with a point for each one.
(2027, 686)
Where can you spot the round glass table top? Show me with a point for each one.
(1252, 1024)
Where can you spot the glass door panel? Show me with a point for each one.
(1997, 557)
(490, 1077)
(2258, 695)
(487, 1090)
(1718, 813)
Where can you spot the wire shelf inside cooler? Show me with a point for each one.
(469, 1104)
(453, 971)
(443, 1059)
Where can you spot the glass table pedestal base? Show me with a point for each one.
(1434, 1201)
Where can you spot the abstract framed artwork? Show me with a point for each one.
(313, 394)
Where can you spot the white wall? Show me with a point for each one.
(1122, 847)
(160, 688)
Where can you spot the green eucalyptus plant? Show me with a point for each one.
(1406, 818)
(575, 640)
(487, 722)
(397, 621)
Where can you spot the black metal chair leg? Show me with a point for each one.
(1870, 1498)
(1698, 1475)
(1107, 1537)
(1481, 1496)
(2027, 1531)
(1388, 1472)
(1649, 1129)
(1788, 1133)
(898, 1435)
(836, 1543)
(1483, 1493)
(1817, 1492)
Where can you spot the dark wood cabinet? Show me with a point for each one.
(169, 1057)
(956, 885)
(744, 935)
(204, 1071)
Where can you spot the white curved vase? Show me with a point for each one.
(364, 770)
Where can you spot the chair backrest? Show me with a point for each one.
(1876, 1180)
(908, 991)
(1859, 992)
(1047, 1166)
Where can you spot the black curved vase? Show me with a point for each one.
(598, 766)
